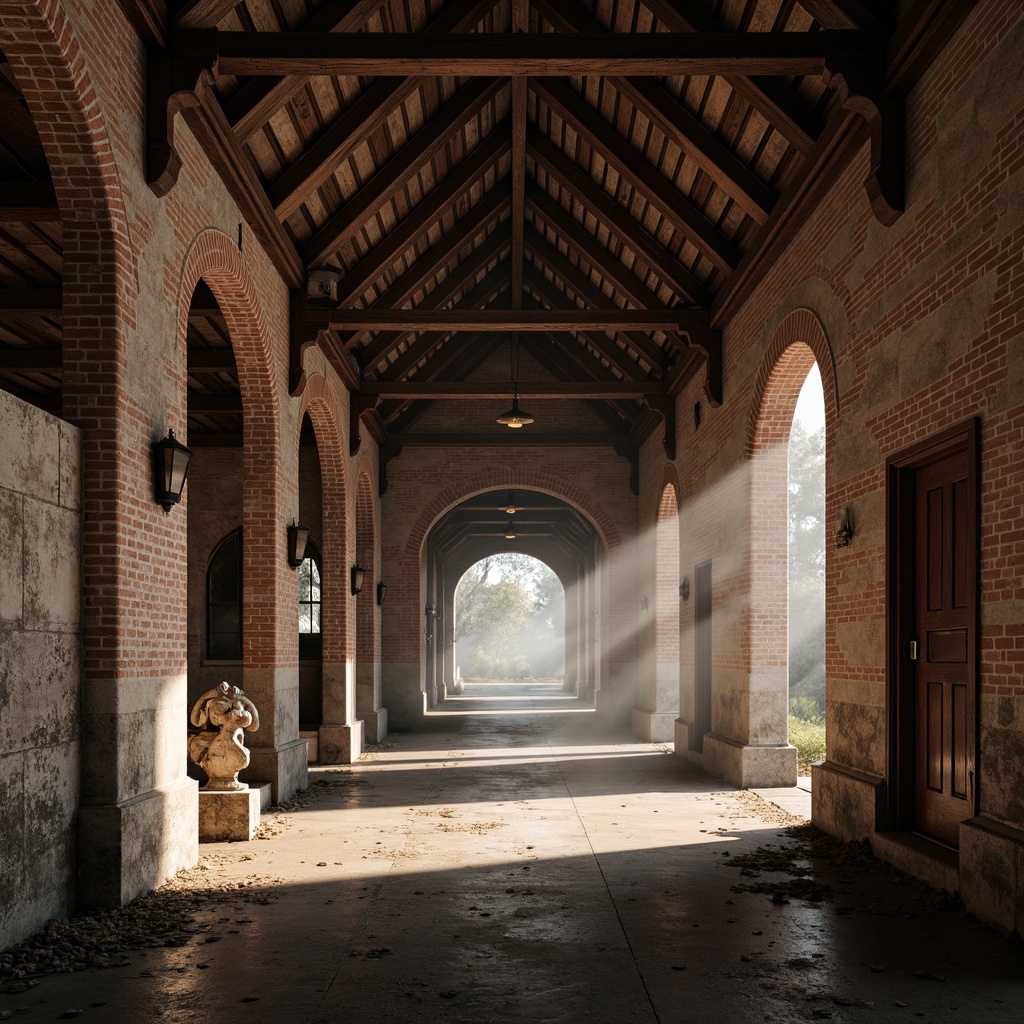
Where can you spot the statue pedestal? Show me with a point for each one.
(231, 816)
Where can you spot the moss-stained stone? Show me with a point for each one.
(856, 736)
(29, 454)
(11, 555)
(52, 567)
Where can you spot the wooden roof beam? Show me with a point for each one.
(23, 201)
(547, 291)
(461, 277)
(478, 390)
(632, 165)
(840, 14)
(258, 100)
(390, 319)
(481, 293)
(620, 222)
(436, 134)
(701, 146)
(323, 157)
(771, 96)
(31, 301)
(354, 284)
(462, 54)
(574, 278)
(31, 360)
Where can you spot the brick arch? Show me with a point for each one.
(501, 477)
(666, 574)
(670, 478)
(316, 403)
(797, 344)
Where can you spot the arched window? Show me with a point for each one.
(310, 640)
(224, 600)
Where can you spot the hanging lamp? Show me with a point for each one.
(515, 417)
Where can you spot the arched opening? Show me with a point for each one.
(311, 580)
(658, 694)
(510, 592)
(806, 510)
(216, 539)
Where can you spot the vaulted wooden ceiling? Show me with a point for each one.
(594, 184)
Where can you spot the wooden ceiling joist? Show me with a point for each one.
(31, 301)
(28, 201)
(31, 360)
(546, 390)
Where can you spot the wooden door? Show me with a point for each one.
(944, 615)
(702, 654)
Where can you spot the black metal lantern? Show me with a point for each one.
(298, 535)
(170, 463)
(358, 575)
(382, 592)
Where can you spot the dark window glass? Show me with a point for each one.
(224, 601)
(310, 644)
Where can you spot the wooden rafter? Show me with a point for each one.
(386, 342)
(31, 301)
(677, 123)
(28, 201)
(620, 222)
(31, 360)
(633, 166)
(256, 101)
(771, 96)
(476, 220)
(390, 319)
(368, 200)
(327, 153)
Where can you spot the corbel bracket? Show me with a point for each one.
(174, 78)
(386, 453)
(305, 325)
(709, 341)
(665, 407)
(631, 454)
(855, 66)
(358, 405)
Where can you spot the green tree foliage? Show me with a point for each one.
(510, 618)
(807, 565)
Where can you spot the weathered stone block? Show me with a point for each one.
(29, 450)
(750, 767)
(992, 872)
(341, 744)
(229, 816)
(11, 555)
(52, 567)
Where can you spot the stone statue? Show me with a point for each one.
(221, 754)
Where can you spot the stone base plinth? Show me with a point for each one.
(653, 726)
(312, 746)
(283, 766)
(375, 725)
(992, 872)
(230, 816)
(845, 802)
(341, 744)
(749, 767)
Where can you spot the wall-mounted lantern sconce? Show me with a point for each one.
(358, 575)
(684, 588)
(382, 593)
(298, 535)
(845, 532)
(170, 462)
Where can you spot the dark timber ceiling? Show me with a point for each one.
(598, 182)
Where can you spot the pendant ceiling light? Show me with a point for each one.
(515, 417)
(510, 531)
(511, 508)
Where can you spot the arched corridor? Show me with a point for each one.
(524, 868)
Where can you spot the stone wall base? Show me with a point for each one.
(846, 803)
(129, 848)
(749, 767)
(992, 872)
(284, 767)
(654, 726)
(375, 725)
(231, 816)
(341, 744)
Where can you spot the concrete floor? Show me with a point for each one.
(515, 864)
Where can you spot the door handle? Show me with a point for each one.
(913, 650)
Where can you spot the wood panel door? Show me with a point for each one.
(932, 566)
(944, 585)
(701, 654)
